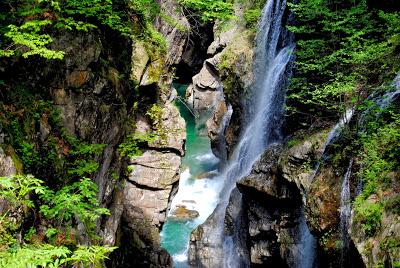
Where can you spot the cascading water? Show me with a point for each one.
(345, 213)
(380, 103)
(273, 54)
(332, 136)
(274, 51)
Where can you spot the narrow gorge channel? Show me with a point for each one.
(261, 128)
(197, 195)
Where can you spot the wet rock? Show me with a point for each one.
(206, 90)
(205, 246)
(176, 35)
(323, 201)
(182, 213)
(89, 48)
(272, 213)
(206, 175)
(77, 78)
(146, 204)
(109, 234)
(297, 162)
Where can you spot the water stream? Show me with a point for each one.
(262, 127)
(195, 193)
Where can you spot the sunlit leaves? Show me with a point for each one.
(28, 40)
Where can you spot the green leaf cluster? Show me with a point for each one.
(54, 256)
(77, 201)
(26, 26)
(210, 10)
(133, 144)
(378, 160)
(345, 48)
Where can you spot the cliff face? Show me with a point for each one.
(100, 94)
(94, 101)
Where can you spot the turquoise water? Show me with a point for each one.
(195, 194)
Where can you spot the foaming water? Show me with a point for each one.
(198, 190)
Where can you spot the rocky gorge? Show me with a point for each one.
(265, 173)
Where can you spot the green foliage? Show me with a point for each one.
(81, 157)
(131, 147)
(379, 157)
(54, 256)
(34, 256)
(156, 115)
(28, 35)
(344, 48)
(77, 200)
(251, 16)
(369, 215)
(210, 10)
(90, 256)
(16, 189)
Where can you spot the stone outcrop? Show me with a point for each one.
(149, 187)
(173, 125)
(205, 92)
(273, 213)
(150, 184)
(216, 126)
(7, 165)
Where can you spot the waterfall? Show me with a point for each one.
(332, 136)
(380, 103)
(262, 127)
(307, 245)
(337, 129)
(273, 54)
(345, 212)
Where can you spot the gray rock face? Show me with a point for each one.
(94, 107)
(140, 59)
(7, 166)
(173, 126)
(176, 35)
(265, 224)
(216, 129)
(272, 211)
(205, 246)
(150, 183)
(206, 90)
(155, 169)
